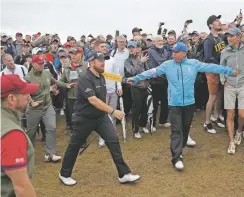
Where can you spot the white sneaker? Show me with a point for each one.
(237, 139)
(154, 129)
(129, 178)
(167, 125)
(209, 128)
(137, 135)
(52, 158)
(179, 165)
(190, 142)
(61, 112)
(217, 121)
(232, 148)
(145, 130)
(101, 142)
(67, 181)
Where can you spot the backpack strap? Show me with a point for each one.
(23, 71)
(115, 50)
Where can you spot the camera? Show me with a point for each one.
(161, 23)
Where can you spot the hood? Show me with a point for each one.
(229, 48)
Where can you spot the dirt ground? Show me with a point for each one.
(209, 170)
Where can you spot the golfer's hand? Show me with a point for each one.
(235, 73)
(226, 83)
(119, 114)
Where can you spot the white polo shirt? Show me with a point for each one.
(119, 59)
(19, 70)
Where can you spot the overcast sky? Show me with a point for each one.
(77, 17)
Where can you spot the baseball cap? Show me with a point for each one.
(109, 37)
(157, 38)
(39, 59)
(233, 31)
(195, 32)
(136, 29)
(212, 18)
(69, 38)
(18, 34)
(62, 54)
(132, 44)
(3, 35)
(13, 84)
(172, 32)
(60, 49)
(36, 50)
(149, 38)
(75, 50)
(180, 46)
(55, 40)
(99, 56)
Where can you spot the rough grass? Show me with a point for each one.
(209, 170)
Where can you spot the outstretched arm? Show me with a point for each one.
(152, 73)
(214, 68)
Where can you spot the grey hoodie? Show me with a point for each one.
(235, 60)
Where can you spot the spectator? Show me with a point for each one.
(121, 54)
(18, 43)
(17, 152)
(12, 68)
(242, 33)
(157, 55)
(171, 40)
(232, 56)
(10, 49)
(134, 65)
(21, 59)
(109, 43)
(27, 38)
(213, 45)
(136, 31)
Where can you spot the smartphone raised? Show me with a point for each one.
(189, 21)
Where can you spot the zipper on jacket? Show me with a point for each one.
(178, 75)
(183, 93)
(237, 67)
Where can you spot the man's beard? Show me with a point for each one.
(21, 108)
(98, 69)
(160, 47)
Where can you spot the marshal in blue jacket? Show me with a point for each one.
(181, 78)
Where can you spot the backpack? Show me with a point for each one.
(200, 48)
